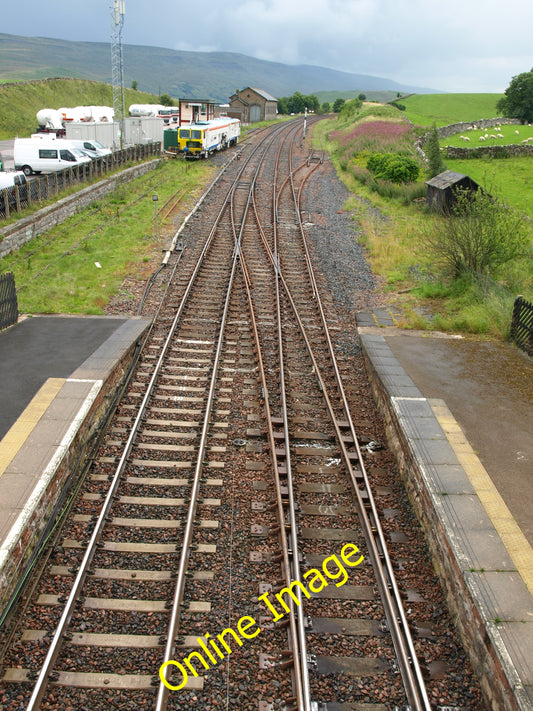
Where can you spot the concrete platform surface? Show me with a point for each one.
(459, 415)
(59, 375)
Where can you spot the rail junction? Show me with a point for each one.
(238, 459)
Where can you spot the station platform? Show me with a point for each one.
(59, 376)
(459, 417)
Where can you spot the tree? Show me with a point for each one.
(134, 84)
(361, 97)
(338, 104)
(312, 102)
(166, 100)
(282, 106)
(325, 108)
(518, 99)
(433, 153)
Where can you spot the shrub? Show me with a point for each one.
(393, 167)
(479, 236)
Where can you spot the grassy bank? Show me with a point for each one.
(395, 226)
(80, 265)
(20, 102)
(443, 109)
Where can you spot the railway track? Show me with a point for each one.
(226, 550)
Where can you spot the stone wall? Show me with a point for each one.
(17, 234)
(494, 151)
(445, 131)
(452, 128)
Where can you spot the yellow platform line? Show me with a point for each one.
(503, 521)
(22, 428)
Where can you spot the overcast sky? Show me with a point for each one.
(453, 46)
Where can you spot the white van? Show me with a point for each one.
(94, 149)
(45, 155)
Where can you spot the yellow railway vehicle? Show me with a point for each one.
(199, 140)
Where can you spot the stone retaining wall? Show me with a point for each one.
(17, 234)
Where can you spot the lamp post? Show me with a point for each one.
(155, 199)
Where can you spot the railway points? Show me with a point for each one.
(237, 543)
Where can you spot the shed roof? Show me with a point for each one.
(446, 179)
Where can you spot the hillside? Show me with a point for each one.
(20, 102)
(157, 70)
(444, 109)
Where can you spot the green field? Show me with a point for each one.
(496, 136)
(509, 179)
(443, 109)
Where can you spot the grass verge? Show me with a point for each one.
(395, 235)
(80, 265)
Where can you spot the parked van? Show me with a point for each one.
(46, 155)
(8, 180)
(94, 149)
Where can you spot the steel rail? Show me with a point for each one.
(162, 694)
(55, 645)
(410, 669)
(305, 703)
(299, 660)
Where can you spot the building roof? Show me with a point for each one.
(264, 94)
(447, 179)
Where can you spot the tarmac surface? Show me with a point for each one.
(489, 389)
(42, 347)
(469, 397)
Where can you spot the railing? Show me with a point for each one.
(522, 325)
(8, 300)
(41, 188)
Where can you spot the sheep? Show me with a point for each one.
(492, 135)
(482, 138)
(500, 135)
(517, 132)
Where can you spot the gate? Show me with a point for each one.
(522, 325)
(255, 113)
(8, 300)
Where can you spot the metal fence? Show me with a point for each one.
(522, 325)
(44, 187)
(9, 311)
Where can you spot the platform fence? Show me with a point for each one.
(8, 300)
(522, 325)
(47, 187)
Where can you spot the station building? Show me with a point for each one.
(251, 105)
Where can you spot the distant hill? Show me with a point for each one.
(214, 75)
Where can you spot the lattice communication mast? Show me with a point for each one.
(117, 65)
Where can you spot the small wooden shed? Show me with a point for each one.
(442, 189)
